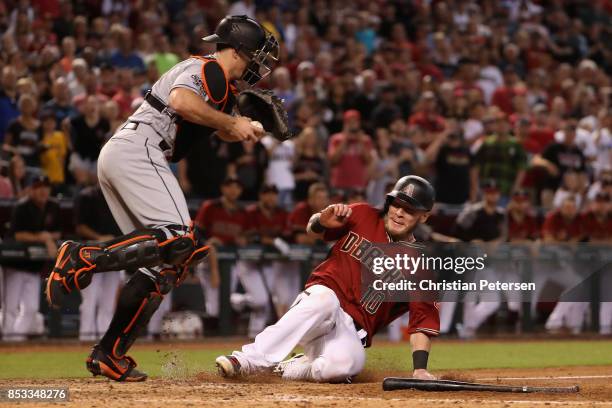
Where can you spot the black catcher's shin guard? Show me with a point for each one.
(138, 300)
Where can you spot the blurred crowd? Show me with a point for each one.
(504, 105)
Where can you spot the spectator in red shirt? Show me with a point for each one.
(540, 134)
(522, 223)
(502, 97)
(564, 224)
(124, 96)
(318, 199)
(350, 154)
(426, 117)
(265, 219)
(223, 220)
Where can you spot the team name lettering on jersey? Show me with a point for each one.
(364, 252)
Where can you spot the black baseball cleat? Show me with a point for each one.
(72, 270)
(228, 366)
(123, 369)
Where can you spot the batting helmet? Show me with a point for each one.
(415, 191)
(250, 40)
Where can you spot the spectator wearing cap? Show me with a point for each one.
(350, 154)
(484, 220)
(22, 135)
(55, 149)
(501, 158)
(35, 220)
(453, 163)
(88, 133)
(8, 98)
(557, 158)
(523, 224)
(223, 219)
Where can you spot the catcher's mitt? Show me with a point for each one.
(265, 107)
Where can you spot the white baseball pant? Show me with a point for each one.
(20, 303)
(316, 321)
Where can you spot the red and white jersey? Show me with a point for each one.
(341, 272)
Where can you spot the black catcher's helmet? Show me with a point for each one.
(415, 191)
(252, 41)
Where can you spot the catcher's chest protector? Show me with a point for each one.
(220, 95)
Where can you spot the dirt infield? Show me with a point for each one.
(206, 389)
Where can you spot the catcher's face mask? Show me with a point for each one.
(262, 61)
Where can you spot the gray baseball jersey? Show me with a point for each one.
(133, 170)
(186, 74)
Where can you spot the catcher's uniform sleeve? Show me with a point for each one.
(424, 318)
(206, 78)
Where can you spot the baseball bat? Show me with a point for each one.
(397, 383)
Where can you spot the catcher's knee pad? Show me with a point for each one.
(138, 300)
(174, 245)
(186, 249)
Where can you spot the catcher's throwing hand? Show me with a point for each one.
(422, 374)
(335, 215)
(242, 130)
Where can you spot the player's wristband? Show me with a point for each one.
(419, 359)
(316, 225)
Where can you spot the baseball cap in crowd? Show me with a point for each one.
(351, 114)
(489, 186)
(268, 188)
(231, 180)
(39, 181)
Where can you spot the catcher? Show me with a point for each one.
(330, 318)
(196, 98)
